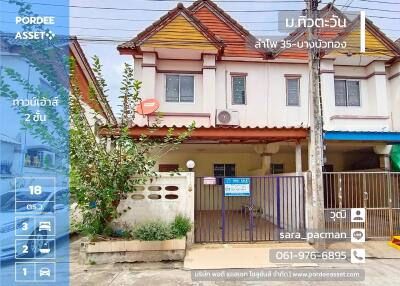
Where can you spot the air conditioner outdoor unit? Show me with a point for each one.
(227, 117)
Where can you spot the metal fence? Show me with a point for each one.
(276, 203)
(377, 192)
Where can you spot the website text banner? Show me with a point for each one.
(34, 142)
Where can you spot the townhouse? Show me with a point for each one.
(251, 109)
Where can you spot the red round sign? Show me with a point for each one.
(147, 106)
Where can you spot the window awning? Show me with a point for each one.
(377, 136)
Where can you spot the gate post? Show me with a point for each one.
(389, 182)
(223, 212)
(278, 203)
(365, 204)
(251, 211)
(340, 197)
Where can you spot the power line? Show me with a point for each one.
(231, 11)
(150, 9)
(364, 8)
(136, 20)
(140, 30)
(165, 10)
(267, 1)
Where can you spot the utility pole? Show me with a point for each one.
(315, 141)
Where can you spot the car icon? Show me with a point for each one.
(45, 225)
(44, 271)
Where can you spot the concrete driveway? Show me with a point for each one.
(382, 267)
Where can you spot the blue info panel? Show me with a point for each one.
(34, 142)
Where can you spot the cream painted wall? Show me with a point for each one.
(245, 162)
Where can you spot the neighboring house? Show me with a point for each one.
(9, 164)
(251, 107)
(23, 154)
(95, 104)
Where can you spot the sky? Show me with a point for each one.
(101, 30)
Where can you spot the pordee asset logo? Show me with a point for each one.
(35, 35)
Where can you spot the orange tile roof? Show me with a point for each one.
(236, 44)
(233, 40)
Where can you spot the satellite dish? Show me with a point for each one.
(147, 106)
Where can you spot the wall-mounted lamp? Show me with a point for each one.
(190, 165)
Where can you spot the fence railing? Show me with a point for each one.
(377, 192)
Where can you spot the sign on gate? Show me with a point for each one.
(237, 187)
(209, 181)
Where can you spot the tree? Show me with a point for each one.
(100, 177)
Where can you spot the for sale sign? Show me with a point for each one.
(237, 187)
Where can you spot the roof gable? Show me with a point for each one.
(376, 42)
(177, 29)
(179, 34)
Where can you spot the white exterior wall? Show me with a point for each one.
(266, 93)
(373, 114)
(394, 90)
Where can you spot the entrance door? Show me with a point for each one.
(275, 203)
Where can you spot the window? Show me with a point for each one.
(347, 93)
(224, 170)
(292, 91)
(238, 89)
(277, 168)
(180, 88)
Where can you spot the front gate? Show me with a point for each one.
(377, 192)
(275, 204)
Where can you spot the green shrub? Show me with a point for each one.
(154, 230)
(180, 226)
(108, 231)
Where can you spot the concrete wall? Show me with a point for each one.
(157, 200)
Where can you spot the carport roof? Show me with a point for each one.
(240, 135)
